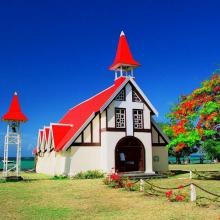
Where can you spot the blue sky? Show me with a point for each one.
(55, 54)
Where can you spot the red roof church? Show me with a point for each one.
(114, 128)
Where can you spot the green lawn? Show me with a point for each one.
(198, 167)
(40, 197)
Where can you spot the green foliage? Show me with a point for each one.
(192, 120)
(90, 174)
(212, 149)
(61, 177)
(209, 107)
(166, 129)
(191, 139)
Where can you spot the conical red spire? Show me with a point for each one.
(123, 55)
(14, 113)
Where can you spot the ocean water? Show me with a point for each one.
(27, 163)
(193, 160)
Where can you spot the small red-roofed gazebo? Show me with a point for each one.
(13, 117)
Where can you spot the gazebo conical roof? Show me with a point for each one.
(14, 113)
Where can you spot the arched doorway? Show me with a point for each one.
(129, 155)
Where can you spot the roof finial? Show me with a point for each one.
(122, 33)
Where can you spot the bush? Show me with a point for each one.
(116, 181)
(61, 177)
(177, 196)
(90, 174)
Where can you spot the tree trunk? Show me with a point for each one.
(187, 160)
(178, 161)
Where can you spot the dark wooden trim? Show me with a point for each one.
(82, 139)
(90, 144)
(113, 129)
(86, 144)
(123, 89)
(134, 91)
(116, 95)
(124, 118)
(159, 134)
(51, 150)
(89, 125)
(142, 130)
(142, 111)
(91, 130)
(100, 128)
(142, 99)
(163, 139)
(159, 144)
(106, 116)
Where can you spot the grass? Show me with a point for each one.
(193, 167)
(41, 197)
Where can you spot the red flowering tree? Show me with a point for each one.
(192, 121)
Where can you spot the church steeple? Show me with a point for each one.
(124, 61)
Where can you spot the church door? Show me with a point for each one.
(129, 155)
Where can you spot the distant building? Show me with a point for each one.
(113, 129)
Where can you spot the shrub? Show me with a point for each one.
(90, 174)
(177, 196)
(116, 181)
(61, 177)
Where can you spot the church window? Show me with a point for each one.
(120, 118)
(135, 97)
(138, 118)
(121, 96)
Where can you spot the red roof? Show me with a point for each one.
(123, 55)
(59, 131)
(34, 151)
(41, 136)
(47, 133)
(78, 115)
(14, 113)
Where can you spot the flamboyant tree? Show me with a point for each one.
(194, 118)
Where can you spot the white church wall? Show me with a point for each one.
(111, 115)
(109, 142)
(87, 134)
(146, 116)
(60, 160)
(160, 158)
(79, 139)
(145, 138)
(95, 125)
(84, 158)
(45, 164)
(154, 135)
(162, 140)
(103, 119)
